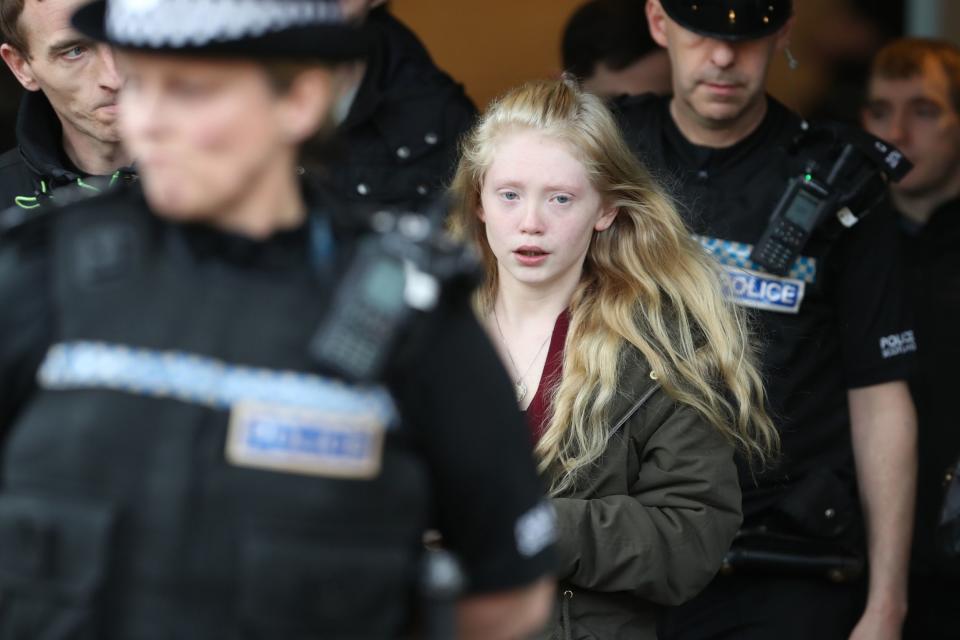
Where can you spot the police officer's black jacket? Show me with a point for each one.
(176, 466)
(398, 144)
(932, 256)
(836, 322)
(38, 166)
(10, 92)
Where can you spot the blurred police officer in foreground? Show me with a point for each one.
(913, 100)
(792, 213)
(399, 120)
(178, 460)
(67, 124)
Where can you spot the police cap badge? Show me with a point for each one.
(730, 19)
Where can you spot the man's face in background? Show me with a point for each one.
(77, 75)
(917, 114)
(651, 73)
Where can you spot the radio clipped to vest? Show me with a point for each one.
(844, 181)
(400, 270)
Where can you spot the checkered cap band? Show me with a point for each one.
(183, 23)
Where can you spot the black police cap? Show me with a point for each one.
(274, 29)
(730, 19)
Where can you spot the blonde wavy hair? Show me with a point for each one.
(646, 285)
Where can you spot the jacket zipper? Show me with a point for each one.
(565, 615)
(567, 595)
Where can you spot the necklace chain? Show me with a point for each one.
(518, 384)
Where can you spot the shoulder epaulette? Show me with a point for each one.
(832, 138)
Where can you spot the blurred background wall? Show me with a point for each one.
(937, 18)
(490, 45)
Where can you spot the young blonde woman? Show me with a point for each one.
(636, 375)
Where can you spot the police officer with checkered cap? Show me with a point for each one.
(809, 249)
(178, 462)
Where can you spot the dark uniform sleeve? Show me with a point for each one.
(490, 505)
(25, 321)
(876, 324)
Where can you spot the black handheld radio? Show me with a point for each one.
(848, 185)
(400, 269)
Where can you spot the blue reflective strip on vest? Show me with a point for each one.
(204, 381)
(737, 254)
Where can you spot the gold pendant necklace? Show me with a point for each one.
(519, 386)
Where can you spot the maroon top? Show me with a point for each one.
(538, 413)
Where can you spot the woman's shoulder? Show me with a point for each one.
(641, 400)
(645, 410)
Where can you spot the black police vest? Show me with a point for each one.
(184, 472)
(727, 197)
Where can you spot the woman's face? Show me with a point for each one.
(540, 210)
(203, 132)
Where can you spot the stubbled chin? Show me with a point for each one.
(720, 103)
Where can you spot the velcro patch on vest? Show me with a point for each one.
(303, 441)
(762, 290)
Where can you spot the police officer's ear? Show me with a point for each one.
(656, 19)
(19, 64)
(305, 104)
(782, 36)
